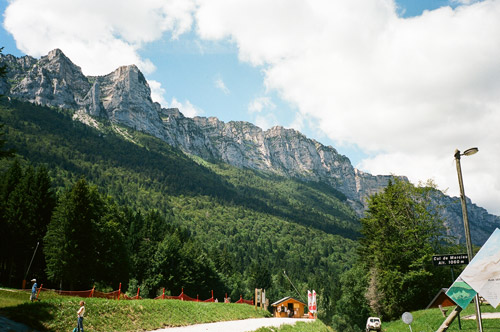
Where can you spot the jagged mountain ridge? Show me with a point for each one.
(124, 97)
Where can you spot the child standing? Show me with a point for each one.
(80, 314)
(33, 290)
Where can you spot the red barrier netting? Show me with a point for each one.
(241, 300)
(87, 293)
(116, 295)
(182, 297)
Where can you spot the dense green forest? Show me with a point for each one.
(105, 209)
(140, 212)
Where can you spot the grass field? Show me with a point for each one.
(430, 320)
(58, 313)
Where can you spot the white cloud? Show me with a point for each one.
(261, 103)
(97, 35)
(407, 90)
(219, 84)
(157, 93)
(266, 121)
(186, 108)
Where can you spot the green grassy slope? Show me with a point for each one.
(430, 320)
(58, 313)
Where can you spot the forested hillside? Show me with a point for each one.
(174, 221)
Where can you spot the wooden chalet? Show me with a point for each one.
(288, 307)
(441, 299)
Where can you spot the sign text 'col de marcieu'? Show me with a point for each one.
(457, 259)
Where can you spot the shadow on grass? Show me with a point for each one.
(34, 315)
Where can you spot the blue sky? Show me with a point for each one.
(389, 85)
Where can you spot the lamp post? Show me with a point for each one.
(470, 253)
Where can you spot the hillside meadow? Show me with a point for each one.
(58, 313)
(430, 320)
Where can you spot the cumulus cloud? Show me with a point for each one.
(408, 91)
(261, 103)
(157, 92)
(266, 121)
(185, 108)
(98, 35)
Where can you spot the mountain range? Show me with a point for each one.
(123, 98)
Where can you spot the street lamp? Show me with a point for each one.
(468, 152)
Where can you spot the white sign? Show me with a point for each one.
(309, 301)
(314, 308)
(407, 318)
(483, 272)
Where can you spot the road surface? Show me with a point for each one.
(244, 325)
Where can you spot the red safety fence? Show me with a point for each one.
(183, 297)
(116, 295)
(241, 300)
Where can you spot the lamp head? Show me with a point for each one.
(470, 151)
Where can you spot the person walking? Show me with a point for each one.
(80, 314)
(33, 290)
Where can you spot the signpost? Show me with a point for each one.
(450, 260)
(407, 319)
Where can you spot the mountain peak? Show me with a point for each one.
(55, 53)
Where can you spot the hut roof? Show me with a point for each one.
(442, 292)
(286, 299)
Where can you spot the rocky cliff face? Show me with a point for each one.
(124, 97)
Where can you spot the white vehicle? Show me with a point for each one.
(373, 324)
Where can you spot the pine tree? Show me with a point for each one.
(401, 232)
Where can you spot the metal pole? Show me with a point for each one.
(291, 283)
(470, 253)
(452, 281)
(29, 266)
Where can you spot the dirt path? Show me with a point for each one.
(485, 315)
(245, 325)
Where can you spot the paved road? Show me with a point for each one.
(245, 325)
(7, 325)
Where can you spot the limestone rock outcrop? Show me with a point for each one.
(124, 97)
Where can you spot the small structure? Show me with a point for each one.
(441, 300)
(288, 307)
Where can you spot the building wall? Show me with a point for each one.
(298, 309)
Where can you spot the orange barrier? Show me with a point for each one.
(117, 295)
(241, 300)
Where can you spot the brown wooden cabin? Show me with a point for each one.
(288, 307)
(441, 299)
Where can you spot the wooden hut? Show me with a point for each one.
(441, 299)
(288, 307)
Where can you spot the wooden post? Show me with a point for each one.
(92, 292)
(138, 288)
(447, 322)
(163, 296)
(119, 290)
